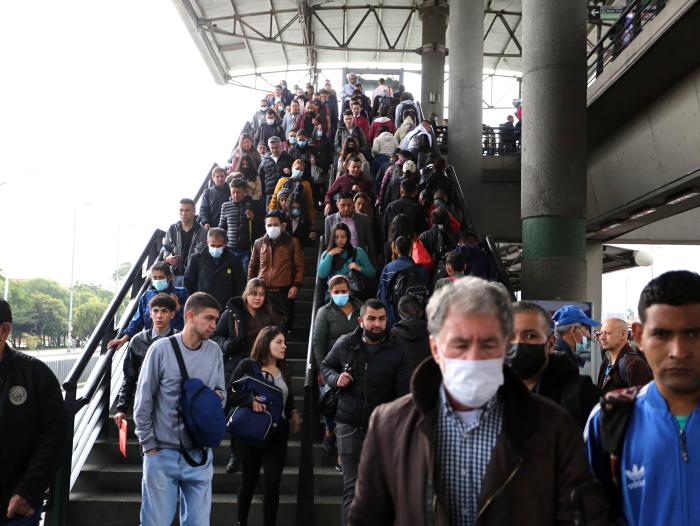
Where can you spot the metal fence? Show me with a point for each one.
(61, 365)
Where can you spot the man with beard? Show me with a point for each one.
(369, 369)
(544, 371)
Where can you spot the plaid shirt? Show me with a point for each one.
(463, 454)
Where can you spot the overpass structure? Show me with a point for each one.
(609, 154)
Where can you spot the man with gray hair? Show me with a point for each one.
(471, 443)
(573, 331)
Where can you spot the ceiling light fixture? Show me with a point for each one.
(643, 213)
(610, 227)
(682, 197)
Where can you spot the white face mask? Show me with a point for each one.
(273, 231)
(472, 382)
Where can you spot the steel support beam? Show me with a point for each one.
(433, 14)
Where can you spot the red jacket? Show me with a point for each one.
(344, 183)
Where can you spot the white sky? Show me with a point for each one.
(111, 104)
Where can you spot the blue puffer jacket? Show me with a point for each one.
(659, 465)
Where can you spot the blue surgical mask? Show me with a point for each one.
(302, 143)
(296, 212)
(292, 140)
(440, 203)
(160, 284)
(319, 133)
(340, 299)
(216, 252)
(582, 346)
(297, 173)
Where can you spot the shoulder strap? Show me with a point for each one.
(178, 356)
(615, 411)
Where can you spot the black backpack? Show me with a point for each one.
(294, 185)
(408, 282)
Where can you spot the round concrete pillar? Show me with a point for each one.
(553, 188)
(433, 14)
(465, 38)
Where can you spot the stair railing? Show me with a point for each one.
(305, 513)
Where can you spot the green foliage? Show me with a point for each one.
(86, 317)
(123, 271)
(40, 311)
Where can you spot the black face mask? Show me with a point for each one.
(373, 337)
(526, 359)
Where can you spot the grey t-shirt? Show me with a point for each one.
(158, 390)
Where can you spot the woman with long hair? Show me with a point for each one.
(297, 184)
(269, 351)
(298, 224)
(245, 147)
(401, 225)
(341, 257)
(238, 327)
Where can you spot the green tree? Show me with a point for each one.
(119, 274)
(86, 317)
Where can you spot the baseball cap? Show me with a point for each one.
(5, 312)
(409, 166)
(571, 314)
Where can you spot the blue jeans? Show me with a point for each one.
(244, 255)
(166, 474)
(25, 521)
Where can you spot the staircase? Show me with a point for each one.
(108, 489)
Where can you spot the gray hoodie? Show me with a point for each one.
(158, 390)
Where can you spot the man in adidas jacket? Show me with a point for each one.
(659, 464)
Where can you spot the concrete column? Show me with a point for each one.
(594, 294)
(465, 36)
(553, 189)
(433, 14)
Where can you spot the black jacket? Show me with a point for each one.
(630, 369)
(210, 209)
(378, 377)
(562, 383)
(223, 279)
(271, 171)
(235, 222)
(33, 429)
(412, 336)
(432, 180)
(269, 130)
(246, 399)
(237, 345)
(438, 242)
(173, 245)
(138, 345)
(408, 206)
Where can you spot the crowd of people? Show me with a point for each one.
(444, 402)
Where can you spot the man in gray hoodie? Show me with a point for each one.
(160, 430)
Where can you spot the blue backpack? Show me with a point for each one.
(251, 427)
(200, 410)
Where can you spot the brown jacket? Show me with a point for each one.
(629, 370)
(278, 263)
(537, 475)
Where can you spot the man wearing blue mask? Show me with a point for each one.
(573, 330)
(161, 281)
(470, 444)
(216, 270)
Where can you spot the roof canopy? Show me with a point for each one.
(240, 38)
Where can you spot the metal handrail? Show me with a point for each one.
(613, 41)
(305, 513)
(489, 243)
(87, 411)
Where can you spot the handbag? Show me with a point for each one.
(249, 426)
(330, 398)
(361, 286)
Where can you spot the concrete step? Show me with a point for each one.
(119, 509)
(126, 478)
(106, 452)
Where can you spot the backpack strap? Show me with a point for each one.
(183, 372)
(615, 412)
(178, 356)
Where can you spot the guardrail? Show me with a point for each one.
(88, 412)
(500, 140)
(631, 22)
(305, 512)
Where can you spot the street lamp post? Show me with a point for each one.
(72, 283)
